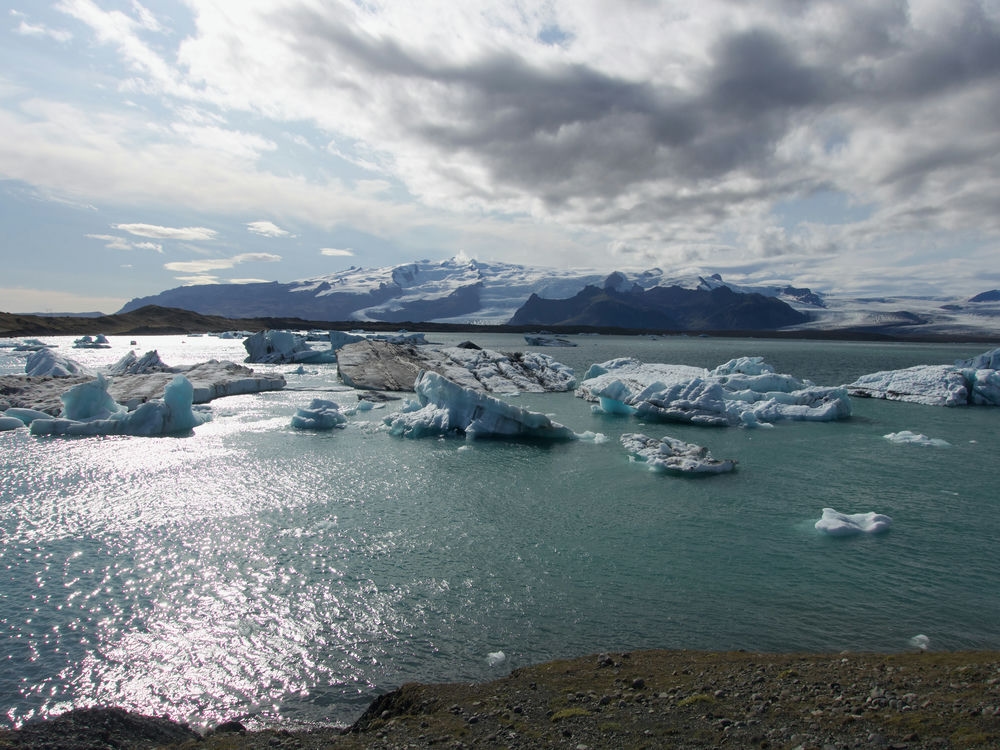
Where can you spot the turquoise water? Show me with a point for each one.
(256, 572)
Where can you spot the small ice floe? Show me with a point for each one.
(845, 524)
(905, 436)
(920, 641)
(320, 415)
(496, 657)
(674, 456)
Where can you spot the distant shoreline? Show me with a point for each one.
(163, 321)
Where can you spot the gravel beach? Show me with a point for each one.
(648, 699)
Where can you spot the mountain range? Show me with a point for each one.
(468, 292)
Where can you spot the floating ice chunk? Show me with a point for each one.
(933, 385)
(133, 365)
(987, 361)
(283, 347)
(320, 415)
(10, 423)
(46, 363)
(914, 438)
(27, 416)
(97, 342)
(547, 341)
(342, 338)
(843, 524)
(973, 381)
(446, 407)
(920, 641)
(985, 386)
(88, 409)
(744, 391)
(32, 345)
(495, 657)
(674, 456)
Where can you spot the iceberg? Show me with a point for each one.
(46, 363)
(284, 347)
(88, 409)
(10, 423)
(444, 407)
(321, 414)
(26, 416)
(843, 524)
(97, 342)
(974, 381)
(32, 345)
(130, 364)
(674, 456)
(744, 391)
(914, 438)
(382, 365)
(539, 340)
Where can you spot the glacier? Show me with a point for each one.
(445, 407)
(972, 382)
(673, 456)
(744, 391)
(835, 523)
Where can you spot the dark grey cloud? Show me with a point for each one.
(619, 150)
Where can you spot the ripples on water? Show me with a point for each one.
(249, 570)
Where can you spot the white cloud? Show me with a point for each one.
(168, 233)
(120, 243)
(337, 252)
(267, 229)
(218, 264)
(29, 29)
(669, 131)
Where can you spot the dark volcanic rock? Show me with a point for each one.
(93, 728)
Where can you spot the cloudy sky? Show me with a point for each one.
(852, 146)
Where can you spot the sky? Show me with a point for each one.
(850, 146)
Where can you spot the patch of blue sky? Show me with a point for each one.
(821, 207)
(554, 36)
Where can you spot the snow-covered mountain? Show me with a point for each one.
(466, 291)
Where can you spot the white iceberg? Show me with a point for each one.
(88, 409)
(495, 658)
(321, 414)
(674, 456)
(835, 523)
(744, 391)
(915, 438)
(32, 345)
(284, 347)
(46, 363)
(97, 342)
(130, 364)
(444, 407)
(973, 381)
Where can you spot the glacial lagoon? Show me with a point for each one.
(251, 570)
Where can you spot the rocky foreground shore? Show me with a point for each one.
(649, 699)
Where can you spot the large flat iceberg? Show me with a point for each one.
(444, 407)
(974, 382)
(744, 391)
(381, 365)
(321, 414)
(674, 456)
